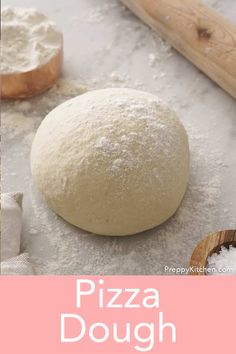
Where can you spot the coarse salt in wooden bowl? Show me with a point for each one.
(209, 245)
(31, 50)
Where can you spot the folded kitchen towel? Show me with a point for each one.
(19, 265)
(11, 224)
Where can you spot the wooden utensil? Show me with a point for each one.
(209, 245)
(34, 82)
(204, 37)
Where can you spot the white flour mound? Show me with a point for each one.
(29, 40)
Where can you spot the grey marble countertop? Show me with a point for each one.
(105, 45)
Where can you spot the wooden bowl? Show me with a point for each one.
(34, 82)
(209, 245)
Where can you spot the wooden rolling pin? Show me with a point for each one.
(204, 37)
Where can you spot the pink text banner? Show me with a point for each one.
(117, 314)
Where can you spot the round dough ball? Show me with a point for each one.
(112, 161)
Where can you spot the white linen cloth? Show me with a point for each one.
(11, 224)
(19, 265)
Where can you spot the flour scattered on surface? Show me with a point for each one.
(152, 59)
(16, 124)
(98, 13)
(23, 106)
(117, 77)
(65, 88)
(93, 17)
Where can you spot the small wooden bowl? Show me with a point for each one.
(34, 82)
(209, 245)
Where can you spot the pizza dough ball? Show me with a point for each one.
(112, 161)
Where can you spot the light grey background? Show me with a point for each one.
(105, 45)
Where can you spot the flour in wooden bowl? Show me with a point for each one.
(29, 40)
